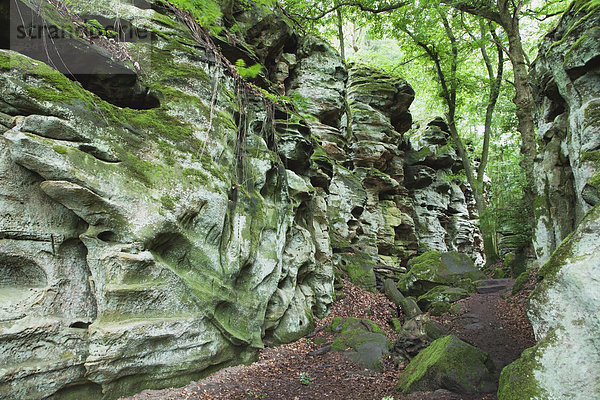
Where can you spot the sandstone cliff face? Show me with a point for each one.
(444, 206)
(182, 220)
(567, 94)
(141, 248)
(563, 308)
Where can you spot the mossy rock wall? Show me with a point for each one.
(144, 248)
(567, 95)
(166, 222)
(563, 307)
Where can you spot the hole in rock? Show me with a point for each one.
(120, 89)
(20, 272)
(107, 236)
(98, 153)
(357, 211)
(578, 72)
(330, 118)
(94, 66)
(86, 390)
(80, 325)
(21, 282)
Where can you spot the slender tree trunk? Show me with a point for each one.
(340, 26)
(486, 223)
(450, 97)
(524, 103)
(523, 100)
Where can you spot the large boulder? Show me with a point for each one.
(434, 268)
(449, 363)
(362, 341)
(563, 310)
(439, 299)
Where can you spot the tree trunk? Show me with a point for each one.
(486, 225)
(340, 26)
(524, 103)
(489, 248)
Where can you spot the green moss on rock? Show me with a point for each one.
(364, 341)
(434, 268)
(438, 300)
(449, 363)
(520, 282)
(359, 267)
(517, 380)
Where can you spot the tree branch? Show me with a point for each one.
(358, 4)
(532, 14)
(475, 9)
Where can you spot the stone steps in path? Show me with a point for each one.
(494, 285)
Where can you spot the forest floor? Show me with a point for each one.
(497, 325)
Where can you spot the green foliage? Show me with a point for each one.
(256, 395)
(305, 378)
(247, 72)
(207, 13)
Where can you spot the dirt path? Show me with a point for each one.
(289, 373)
(494, 325)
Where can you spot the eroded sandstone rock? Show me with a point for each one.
(144, 248)
(567, 94)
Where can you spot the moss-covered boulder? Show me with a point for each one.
(359, 267)
(439, 299)
(449, 363)
(362, 341)
(563, 310)
(435, 268)
(517, 380)
(520, 282)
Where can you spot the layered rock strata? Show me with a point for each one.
(567, 92)
(171, 219)
(444, 207)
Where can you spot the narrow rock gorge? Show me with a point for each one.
(157, 232)
(166, 212)
(563, 308)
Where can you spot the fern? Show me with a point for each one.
(207, 13)
(249, 72)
